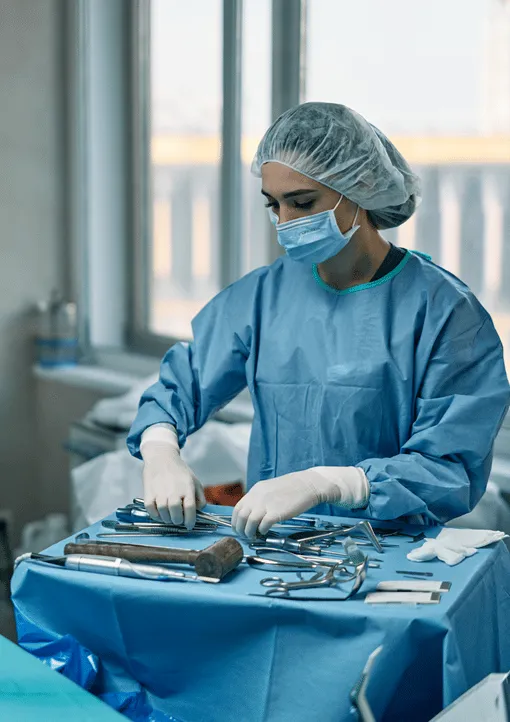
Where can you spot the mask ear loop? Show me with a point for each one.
(357, 211)
(339, 201)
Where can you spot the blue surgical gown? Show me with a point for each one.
(403, 377)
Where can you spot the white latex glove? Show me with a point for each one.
(172, 493)
(452, 546)
(274, 500)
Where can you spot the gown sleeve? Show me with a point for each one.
(442, 470)
(198, 378)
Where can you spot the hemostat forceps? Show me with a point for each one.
(333, 576)
(363, 526)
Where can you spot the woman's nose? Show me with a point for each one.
(286, 214)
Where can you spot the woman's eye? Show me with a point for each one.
(304, 206)
(271, 204)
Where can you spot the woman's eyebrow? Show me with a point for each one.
(291, 194)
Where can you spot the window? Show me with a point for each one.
(255, 119)
(186, 111)
(185, 260)
(437, 81)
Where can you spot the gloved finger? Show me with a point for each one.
(235, 513)
(176, 511)
(241, 518)
(150, 505)
(200, 499)
(162, 506)
(252, 524)
(267, 522)
(190, 512)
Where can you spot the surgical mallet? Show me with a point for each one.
(215, 561)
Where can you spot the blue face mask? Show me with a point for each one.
(315, 238)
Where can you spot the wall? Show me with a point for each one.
(32, 223)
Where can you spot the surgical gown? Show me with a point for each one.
(403, 377)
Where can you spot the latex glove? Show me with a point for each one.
(172, 493)
(274, 500)
(452, 546)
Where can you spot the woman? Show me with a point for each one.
(376, 376)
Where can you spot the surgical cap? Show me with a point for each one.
(337, 147)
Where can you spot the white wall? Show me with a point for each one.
(32, 223)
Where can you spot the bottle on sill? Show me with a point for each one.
(56, 339)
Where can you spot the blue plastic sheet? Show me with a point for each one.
(211, 652)
(66, 655)
(62, 654)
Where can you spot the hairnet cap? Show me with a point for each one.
(337, 147)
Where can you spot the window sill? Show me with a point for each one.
(94, 378)
(115, 372)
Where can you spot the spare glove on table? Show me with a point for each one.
(454, 545)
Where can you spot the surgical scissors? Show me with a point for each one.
(278, 587)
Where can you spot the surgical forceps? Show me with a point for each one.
(291, 545)
(204, 519)
(302, 523)
(159, 527)
(133, 514)
(282, 589)
(221, 519)
(362, 526)
(273, 557)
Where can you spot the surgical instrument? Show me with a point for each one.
(155, 527)
(412, 573)
(383, 533)
(295, 546)
(302, 523)
(362, 526)
(216, 560)
(358, 693)
(116, 567)
(283, 593)
(138, 510)
(137, 535)
(278, 586)
(319, 579)
(134, 515)
(331, 541)
(302, 565)
(262, 550)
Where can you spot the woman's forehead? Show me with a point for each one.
(281, 179)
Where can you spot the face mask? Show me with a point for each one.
(315, 238)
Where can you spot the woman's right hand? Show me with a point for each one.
(172, 493)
